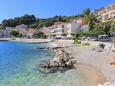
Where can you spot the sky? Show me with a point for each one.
(48, 8)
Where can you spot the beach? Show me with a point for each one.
(94, 66)
(32, 40)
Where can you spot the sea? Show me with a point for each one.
(19, 66)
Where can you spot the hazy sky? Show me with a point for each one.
(47, 8)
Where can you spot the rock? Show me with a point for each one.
(99, 50)
(61, 60)
(108, 84)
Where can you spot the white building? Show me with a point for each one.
(69, 28)
(8, 31)
(58, 29)
(3, 33)
(84, 28)
(29, 33)
(106, 13)
(72, 28)
(22, 28)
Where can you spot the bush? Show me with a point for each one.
(39, 35)
(86, 44)
(102, 46)
(15, 33)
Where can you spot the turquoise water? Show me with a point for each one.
(18, 64)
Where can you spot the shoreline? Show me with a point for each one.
(32, 40)
(94, 66)
(91, 75)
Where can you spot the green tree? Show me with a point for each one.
(1, 27)
(15, 33)
(39, 35)
(112, 30)
(34, 25)
(95, 26)
(26, 19)
(86, 13)
(75, 37)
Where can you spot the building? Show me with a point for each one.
(84, 28)
(22, 28)
(72, 28)
(46, 30)
(29, 33)
(8, 31)
(106, 13)
(76, 26)
(69, 28)
(81, 21)
(58, 29)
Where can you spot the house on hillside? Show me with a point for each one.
(22, 28)
(46, 30)
(69, 28)
(29, 32)
(76, 26)
(106, 13)
(60, 29)
(8, 31)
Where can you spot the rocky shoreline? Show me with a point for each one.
(62, 60)
(96, 63)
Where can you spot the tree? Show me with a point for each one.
(15, 33)
(35, 25)
(112, 30)
(39, 35)
(86, 12)
(96, 27)
(76, 37)
(26, 19)
(1, 27)
(6, 23)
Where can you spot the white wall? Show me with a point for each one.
(75, 28)
(58, 31)
(72, 28)
(8, 31)
(85, 28)
(22, 28)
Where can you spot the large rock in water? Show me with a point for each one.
(62, 59)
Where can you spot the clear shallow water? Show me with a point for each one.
(18, 64)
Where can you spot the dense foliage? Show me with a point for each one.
(26, 19)
(39, 35)
(112, 30)
(34, 22)
(96, 27)
(15, 33)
